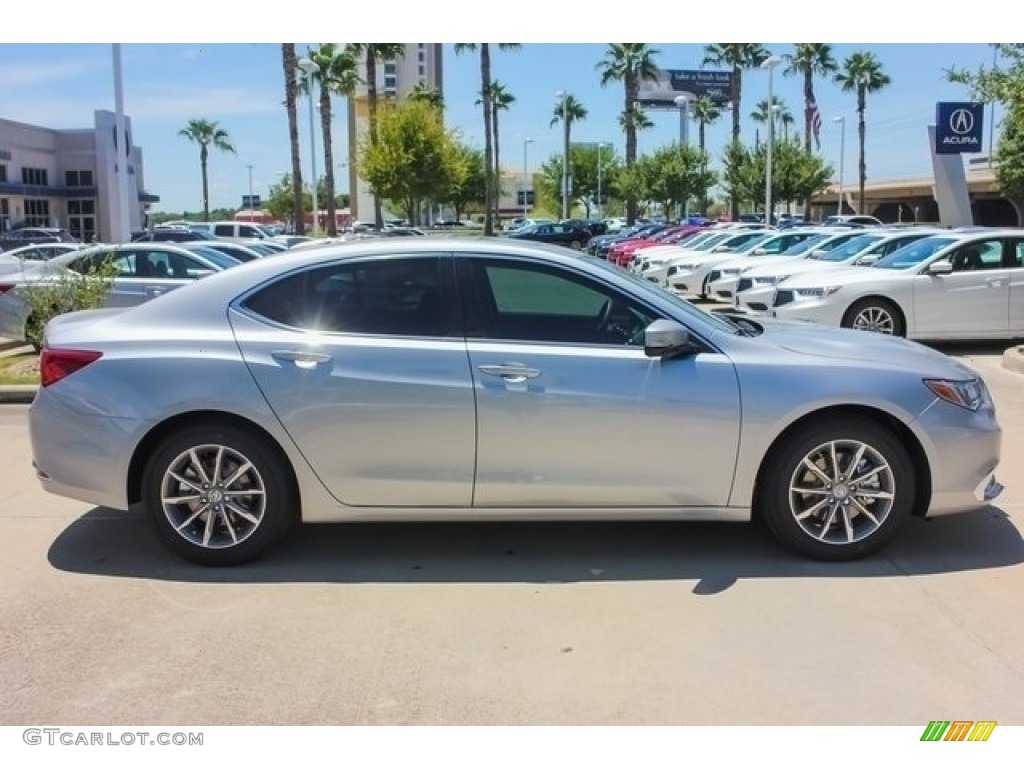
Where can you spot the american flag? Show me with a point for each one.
(815, 116)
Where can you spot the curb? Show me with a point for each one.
(1013, 359)
(17, 393)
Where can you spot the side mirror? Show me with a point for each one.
(940, 268)
(666, 339)
(758, 252)
(818, 254)
(867, 261)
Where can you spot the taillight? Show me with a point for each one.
(55, 364)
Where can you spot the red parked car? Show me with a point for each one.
(622, 253)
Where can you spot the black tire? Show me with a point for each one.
(229, 538)
(576, 245)
(840, 520)
(877, 315)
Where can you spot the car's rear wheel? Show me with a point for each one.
(876, 315)
(576, 245)
(837, 490)
(218, 495)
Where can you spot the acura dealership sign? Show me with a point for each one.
(958, 127)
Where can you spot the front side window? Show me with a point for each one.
(394, 297)
(526, 302)
(973, 257)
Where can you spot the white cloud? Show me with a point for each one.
(192, 103)
(14, 76)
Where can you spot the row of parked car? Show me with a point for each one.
(919, 282)
(158, 260)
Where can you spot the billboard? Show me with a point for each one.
(670, 83)
(958, 127)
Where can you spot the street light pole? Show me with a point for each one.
(250, 192)
(683, 102)
(564, 96)
(841, 119)
(526, 178)
(600, 207)
(308, 66)
(770, 63)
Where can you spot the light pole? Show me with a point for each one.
(308, 66)
(770, 63)
(250, 192)
(564, 96)
(526, 177)
(841, 119)
(600, 208)
(683, 102)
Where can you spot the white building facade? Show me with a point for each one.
(68, 178)
(396, 79)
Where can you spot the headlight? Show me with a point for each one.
(732, 271)
(765, 280)
(817, 293)
(970, 394)
(686, 267)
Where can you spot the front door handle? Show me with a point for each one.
(303, 358)
(513, 374)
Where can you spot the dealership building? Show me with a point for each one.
(68, 177)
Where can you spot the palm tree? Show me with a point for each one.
(568, 110)
(809, 59)
(501, 99)
(204, 133)
(778, 107)
(290, 62)
(705, 112)
(336, 72)
(372, 53)
(738, 56)
(862, 73)
(485, 101)
(629, 63)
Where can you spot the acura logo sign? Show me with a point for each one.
(961, 121)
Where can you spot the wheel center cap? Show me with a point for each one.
(840, 491)
(215, 495)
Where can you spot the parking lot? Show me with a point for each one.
(681, 624)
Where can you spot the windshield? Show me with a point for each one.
(736, 242)
(216, 257)
(850, 248)
(711, 242)
(804, 245)
(911, 255)
(757, 242)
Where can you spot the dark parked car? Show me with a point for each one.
(16, 238)
(595, 226)
(558, 234)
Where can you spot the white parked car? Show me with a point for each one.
(755, 287)
(718, 243)
(29, 256)
(960, 285)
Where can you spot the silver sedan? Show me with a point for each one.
(480, 380)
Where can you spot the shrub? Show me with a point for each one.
(62, 291)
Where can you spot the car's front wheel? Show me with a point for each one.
(218, 495)
(837, 490)
(876, 315)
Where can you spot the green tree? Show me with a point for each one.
(629, 63)
(670, 177)
(290, 63)
(501, 100)
(412, 158)
(335, 72)
(468, 191)
(740, 177)
(485, 103)
(373, 53)
(204, 133)
(862, 74)
(569, 110)
(583, 160)
(279, 200)
(738, 57)
(424, 92)
(1003, 83)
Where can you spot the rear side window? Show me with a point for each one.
(400, 297)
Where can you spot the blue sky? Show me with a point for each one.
(240, 86)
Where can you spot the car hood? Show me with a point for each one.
(876, 349)
(791, 266)
(842, 274)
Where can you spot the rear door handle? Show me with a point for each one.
(303, 358)
(513, 374)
